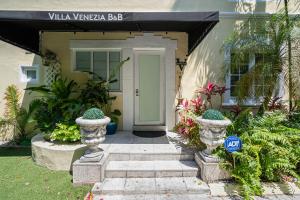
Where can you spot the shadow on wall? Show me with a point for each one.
(28, 97)
(203, 64)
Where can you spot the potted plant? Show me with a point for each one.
(212, 132)
(112, 126)
(93, 130)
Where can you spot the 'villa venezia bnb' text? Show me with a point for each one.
(86, 16)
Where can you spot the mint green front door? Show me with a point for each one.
(149, 88)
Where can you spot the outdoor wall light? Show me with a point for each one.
(180, 63)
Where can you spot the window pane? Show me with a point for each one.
(100, 64)
(259, 90)
(83, 61)
(234, 69)
(234, 79)
(233, 91)
(114, 61)
(31, 74)
(243, 69)
(258, 58)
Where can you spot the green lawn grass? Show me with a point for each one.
(21, 178)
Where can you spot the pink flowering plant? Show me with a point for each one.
(188, 110)
(187, 126)
(210, 90)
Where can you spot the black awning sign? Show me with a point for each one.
(79, 16)
(23, 28)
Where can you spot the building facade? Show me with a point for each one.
(152, 66)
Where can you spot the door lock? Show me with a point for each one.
(137, 92)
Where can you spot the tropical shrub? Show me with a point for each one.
(190, 109)
(93, 113)
(187, 127)
(271, 151)
(112, 114)
(57, 104)
(271, 37)
(210, 90)
(17, 121)
(65, 133)
(96, 91)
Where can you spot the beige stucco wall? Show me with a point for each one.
(206, 63)
(11, 58)
(149, 5)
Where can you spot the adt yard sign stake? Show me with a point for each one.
(232, 144)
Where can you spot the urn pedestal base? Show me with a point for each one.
(210, 171)
(208, 157)
(91, 157)
(93, 154)
(89, 172)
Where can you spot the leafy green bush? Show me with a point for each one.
(58, 104)
(271, 151)
(93, 113)
(65, 133)
(213, 114)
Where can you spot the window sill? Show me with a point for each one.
(227, 105)
(116, 92)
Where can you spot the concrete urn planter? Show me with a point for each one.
(93, 133)
(212, 134)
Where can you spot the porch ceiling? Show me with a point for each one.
(22, 28)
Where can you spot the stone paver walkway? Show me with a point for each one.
(189, 197)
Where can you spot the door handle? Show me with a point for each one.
(137, 92)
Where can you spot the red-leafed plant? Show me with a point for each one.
(190, 109)
(220, 90)
(210, 90)
(187, 126)
(236, 110)
(275, 104)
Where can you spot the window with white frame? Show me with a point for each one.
(102, 63)
(30, 74)
(239, 67)
(262, 86)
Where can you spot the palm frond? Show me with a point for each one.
(12, 97)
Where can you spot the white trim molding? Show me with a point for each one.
(147, 41)
(23, 73)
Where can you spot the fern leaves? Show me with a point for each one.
(271, 150)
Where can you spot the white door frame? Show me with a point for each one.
(149, 51)
(148, 40)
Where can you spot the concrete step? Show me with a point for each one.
(151, 169)
(145, 156)
(137, 186)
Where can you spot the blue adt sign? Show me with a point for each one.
(232, 144)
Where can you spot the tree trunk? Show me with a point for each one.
(287, 19)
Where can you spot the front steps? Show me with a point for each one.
(140, 186)
(148, 176)
(151, 169)
(148, 166)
